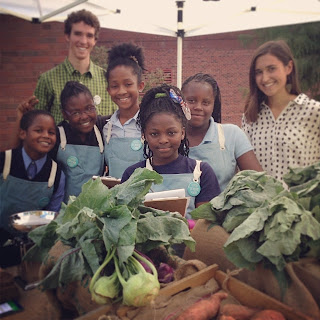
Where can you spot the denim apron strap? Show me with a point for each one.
(7, 164)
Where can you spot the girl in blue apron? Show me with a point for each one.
(80, 146)
(124, 146)
(163, 119)
(30, 179)
(224, 146)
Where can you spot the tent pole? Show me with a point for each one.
(180, 35)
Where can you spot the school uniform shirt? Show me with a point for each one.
(208, 181)
(222, 145)
(123, 146)
(19, 164)
(127, 130)
(291, 140)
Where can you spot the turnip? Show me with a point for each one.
(141, 288)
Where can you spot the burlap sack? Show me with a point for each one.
(72, 301)
(304, 291)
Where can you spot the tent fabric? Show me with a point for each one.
(160, 16)
(196, 17)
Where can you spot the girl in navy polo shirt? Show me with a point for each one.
(30, 179)
(163, 119)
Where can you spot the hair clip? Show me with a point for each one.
(182, 103)
(134, 59)
(160, 95)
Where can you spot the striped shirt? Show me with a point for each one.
(51, 83)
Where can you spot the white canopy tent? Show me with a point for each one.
(184, 18)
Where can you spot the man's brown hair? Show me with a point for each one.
(85, 16)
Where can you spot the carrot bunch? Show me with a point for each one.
(207, 309)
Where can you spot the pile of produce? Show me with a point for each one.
(109, 232)
(267, 223)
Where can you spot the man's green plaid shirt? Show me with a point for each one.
(52, 82)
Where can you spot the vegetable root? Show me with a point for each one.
(237, 311)
(204, 309)
(268, 315)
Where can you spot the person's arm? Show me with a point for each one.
(245, 156)
(22, 108)
(57, 197)
(249, 161)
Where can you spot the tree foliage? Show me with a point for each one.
(304, 41)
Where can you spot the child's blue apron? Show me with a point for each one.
(218, 158)
(19, 195)
(179, 181)
(121, 153)
(79, 162)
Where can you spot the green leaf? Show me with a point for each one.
(164, 230)
(60, 275)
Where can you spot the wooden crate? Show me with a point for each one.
(245, 294)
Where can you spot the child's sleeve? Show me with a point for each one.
(57, 197)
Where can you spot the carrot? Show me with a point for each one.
(268, 315)
(204, 309)
(237, 311)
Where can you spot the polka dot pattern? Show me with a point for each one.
(291, 140)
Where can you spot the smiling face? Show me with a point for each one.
(124, 88)
(200, 100)
(271, 75)
(164, 133)
(40, 137)
(81, 41)
(81, 113)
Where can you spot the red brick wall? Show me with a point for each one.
(29, 49)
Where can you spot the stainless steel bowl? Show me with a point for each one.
(29, 220)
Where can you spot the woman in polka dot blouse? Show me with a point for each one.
(282, 123)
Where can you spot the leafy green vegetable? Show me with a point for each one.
(275, 231)
(268, 224)
(305, 182)
(246, 191)
(101, 221)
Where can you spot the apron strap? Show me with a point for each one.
(99, 138)
(52, 176)
(148, 165)
(63, 139)
(109, 125)
(7, 164)
(221, 137)
(197, 172)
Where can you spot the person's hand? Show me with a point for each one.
(27, 105)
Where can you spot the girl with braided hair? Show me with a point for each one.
(224, 146)
(123, 145)
(162, 120)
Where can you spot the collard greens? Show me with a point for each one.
(101, 219)
(267, 223)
